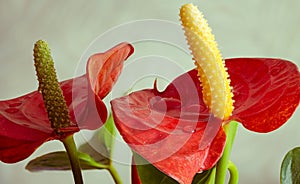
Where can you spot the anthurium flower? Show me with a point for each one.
(24, 123)
(166, 127)
(179, 130)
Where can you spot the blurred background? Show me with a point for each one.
(254, 28)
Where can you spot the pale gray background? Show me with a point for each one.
(267, 28)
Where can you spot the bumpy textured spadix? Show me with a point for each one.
(54, 101)
(210, 65)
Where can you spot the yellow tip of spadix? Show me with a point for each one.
(210, 65)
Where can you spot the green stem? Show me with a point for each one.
(73, 157)
(222, 165)
(212, 176)
(234, 173)
(114, 174)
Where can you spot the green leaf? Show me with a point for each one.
(101, 145)
(149, 174)
(290, 167)
(107, 135)
(202, 178)
(59, 161)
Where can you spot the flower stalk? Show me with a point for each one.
(71, 149)
(114, 173)
(234, 173)
(222, 165)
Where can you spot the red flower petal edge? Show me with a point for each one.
(24, 124)
(166, 128)
(266, 91)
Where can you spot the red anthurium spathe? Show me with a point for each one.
(24, 123)
(166, 128)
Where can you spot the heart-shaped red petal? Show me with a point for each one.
(266, 92)
(103, 69)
